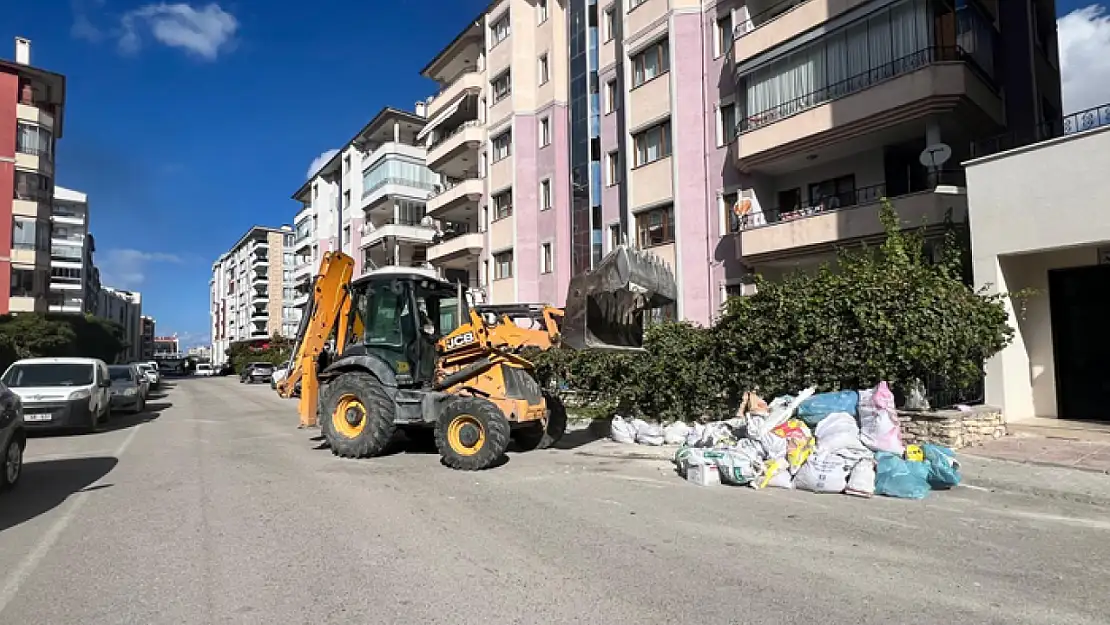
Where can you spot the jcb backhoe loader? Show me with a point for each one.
(410, 352)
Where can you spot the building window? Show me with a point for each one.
(502, 265)
(545, 194)
(650, 63)
(502, 145)
(545, 131)
(614, 236)
(728, 205)
(499, 30)
(23, 283)
(541, 11)
(726, 116)
(543, 69)
(400, 170)
(346, 236)
(613, 168)
(609, 26)
(653, 144)
(655, 226)
(346, 163)
(612, 97)
(724, 34)
(347, 198)
(547, 259)
(33, 187)
(503, 204)
(31, 234)
(502, 86)
(34, 140)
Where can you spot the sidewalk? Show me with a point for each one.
(1052, 443)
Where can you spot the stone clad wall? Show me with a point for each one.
(953, 428)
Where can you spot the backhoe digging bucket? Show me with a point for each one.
(605, 307)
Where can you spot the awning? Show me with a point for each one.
(448, 112)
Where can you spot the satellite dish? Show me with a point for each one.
(935, 155)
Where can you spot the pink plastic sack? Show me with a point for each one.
(878, 420)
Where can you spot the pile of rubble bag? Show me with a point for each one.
(842, 442)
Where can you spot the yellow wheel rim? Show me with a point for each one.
(465, 435)
(349, 418)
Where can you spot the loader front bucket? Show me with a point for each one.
(605, 307)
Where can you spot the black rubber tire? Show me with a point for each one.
(5, 483)
(532, 437)
(380, 411)
(491, 420)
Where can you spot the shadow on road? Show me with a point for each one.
(47, 483)
(118, 421)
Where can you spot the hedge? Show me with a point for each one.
(277, 353)
(38, 335)
(888, 313)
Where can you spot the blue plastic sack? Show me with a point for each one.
(897, 477)
(821, 405)
(943, 469)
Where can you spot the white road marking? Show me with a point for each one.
(25, 568)
(974, 487)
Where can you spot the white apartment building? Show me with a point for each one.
(251, 289)
(69, 256)
(126, 309)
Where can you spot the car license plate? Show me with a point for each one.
(38, 416)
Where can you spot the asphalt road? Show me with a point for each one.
(215, 509)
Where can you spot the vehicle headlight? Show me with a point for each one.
(81, 394)
(130, 391)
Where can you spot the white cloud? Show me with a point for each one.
(1084, 37)
(193, 339)
(319, 162)
(83, 26)
(126, 269)
(205, 32)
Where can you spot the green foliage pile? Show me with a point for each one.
(38, 335)
(887, 314)
(277, 353)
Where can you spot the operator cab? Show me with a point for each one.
(402, 313)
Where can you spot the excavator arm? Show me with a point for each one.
(324, 317)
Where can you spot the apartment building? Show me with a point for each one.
(837, 106)
(559, 123)
(146, 338)
(251, 289)
(126, 309)
(31, 106)
(69, 260)
(370, 201)
(167, 346)
(499, 137)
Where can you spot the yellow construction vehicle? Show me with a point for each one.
(400, 348)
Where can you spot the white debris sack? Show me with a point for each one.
(648, 433)
(823, 473)
(622, 431)
(878, 420)
(781, 409)
(740, 465)
(675, 433)
(836, 432)
(695, 435)
(861, 481)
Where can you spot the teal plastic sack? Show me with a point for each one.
(897, 477)
(821, 405)
(943, 468)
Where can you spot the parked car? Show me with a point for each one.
(150, 371)
(204, 370)
(61, 392)
(13, 438)
(257, 372)
(128, 390)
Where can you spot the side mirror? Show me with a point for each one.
(105, 383)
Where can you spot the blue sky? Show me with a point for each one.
(189, 122)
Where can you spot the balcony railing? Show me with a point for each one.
(407, 182)
(853, 84)
(1076, 122)
(474, 123)
(850, 200)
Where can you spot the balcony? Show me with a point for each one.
(929, 82)
(466, 246)
(459, 196)
(398, 229)
(467, 83)
(456, 153)
(34, 114)
(848, 217)
(260, 278)
(773, 22)
(385, 188)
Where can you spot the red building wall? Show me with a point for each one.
(9, 92)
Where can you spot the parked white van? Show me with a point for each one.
(61, 392)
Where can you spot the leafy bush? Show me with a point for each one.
(276, 352)
(885, 314)
(36, 335)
